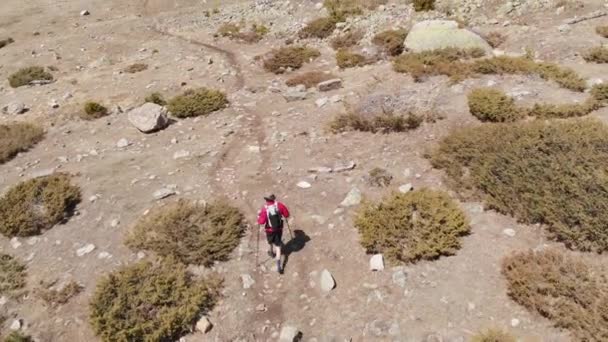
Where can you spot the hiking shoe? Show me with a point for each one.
(279, 269)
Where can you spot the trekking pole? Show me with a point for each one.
(289, 228)
(257, 246)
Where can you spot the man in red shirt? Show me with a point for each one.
(270, 219)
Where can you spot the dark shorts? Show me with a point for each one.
(275, 238)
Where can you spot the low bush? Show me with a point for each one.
(339, 10)
(156, 98)
(424, 5)
(493, 335)
(597, 55)
(309, 79)
(347, 40)
(37, 204)
(202, 101)
(347, 59)
(229, 30)
(379, 177)
(488, 104)
(495, 39)
(234, 31)
(391, 41)
(5, 42)
(562, 111)
(150, 302)
(18, 137)
(563, 288)
(12, 274)
(383, 123)
(601, 30)
(318, 28)
(17, 336)
(137, 67)
(540, 172)
(290, 57)
(25, 76)
(93, 110)
(54, 297)
(600, 92)
(438, 62)
(422, 224)
(193, 234)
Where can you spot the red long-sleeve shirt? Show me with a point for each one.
(263, 216)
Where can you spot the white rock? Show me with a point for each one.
(509, 232)
(93, 198)
(253, 149)
(353, 198)
(303, 185)
(53, 104)
(85, 250)
(327, 281)
(15, 243)
(320, 169)
(16, 325)
(400, 277)
(123, 143)
(14, 108)
(203, 325)
(347, 167)
(149, 117)
(319, 5)
(84, 12)
(514, 322)
(114, 223)
(289, 334)
(163, 193)
(564, 28)
(335, 99)
(3, 300)
(321, 102)
(332, 84)
(247, 281)
(439, 34)
(376, 262)
(181, 154)
(405, 188)
(104, 255)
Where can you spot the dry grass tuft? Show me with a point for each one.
(290, 57)
(562, 111)
(563, 288)
(495, 39)
(150, 302)
(379, 177)
(347, 40)
(309, 79)
(12, 274)
(5, 42)
(597, 54)
(37, 204)
(438, 62)
(192, 234)
(137, 67)
(319, 28)
(600, 92)
(18, 137)
(347, 59)
(234, 31)
(602, 31)
(25, 76)
(156, 98)
(418, 225)
(493, 335)
(93, 110)
(492, 105)
(424, 5)
(383, 123)
(56, 297)
(540, 172)
(17, 336)
(391, 41)
(199, 102)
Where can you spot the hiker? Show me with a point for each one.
(271, 220)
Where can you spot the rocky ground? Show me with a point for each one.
(261, 144)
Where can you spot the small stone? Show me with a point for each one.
(405, 188)
(247, 281)
(564, 28)
(16, 325)
(514, 322)
(203, 325)
(93, 198)
(400, 278)
(290, 334)
(320, 220)
(303, 185)
(53, 104)
(253, 149)
(163, 193)
(376, 262)
(15, 243)
(141, 255)
(327, 281)
(84, 13)
(341, 168)
(261, 307)
(149, 117)
(114, 223)
(181, 154)
(14, 108)
(320, 169)
(85, 250)
(509, 232)
(3, 300)
(353, 198)
(122, 143)
(332, 84)
(321, 102)
(104, 255)
(335, 99)
(296, 94)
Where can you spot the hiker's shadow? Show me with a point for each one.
(296, 244)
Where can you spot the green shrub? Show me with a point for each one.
(193, 234)
(229, 30)
(383, 123)
(156, 98)
(5, 42)
(137, 67)
(493, 105)
(346, 59)
(55, 297)
(318, 28)
(93, 110)
(563, 288)
(309, 79)
(202, 101)
(597, 55)
(18, 137)
(562, 111)
(540, 172)
(347, 40)
(600, 92)
(27, 75)
(379, 177)
(37, 204)
(601, 30)
(493, 335)
(12, 274)
(233, 31)
(424, 5)
(422, 224)
(17, 336)
(290, 57)
(495, 39)
(391, 41)
(150, 302)
(437, 62)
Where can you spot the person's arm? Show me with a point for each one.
(284, 211)
(262, 218)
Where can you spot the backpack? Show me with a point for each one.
(275, 219)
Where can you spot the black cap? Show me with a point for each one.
(270, 197)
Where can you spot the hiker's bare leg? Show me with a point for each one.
(277, 250)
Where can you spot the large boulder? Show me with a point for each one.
(440, 34)
(149, 118)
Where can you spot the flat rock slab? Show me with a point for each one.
(440, 34)
(290, 334)
(327, 281)
(352, 199)
(149, 117)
